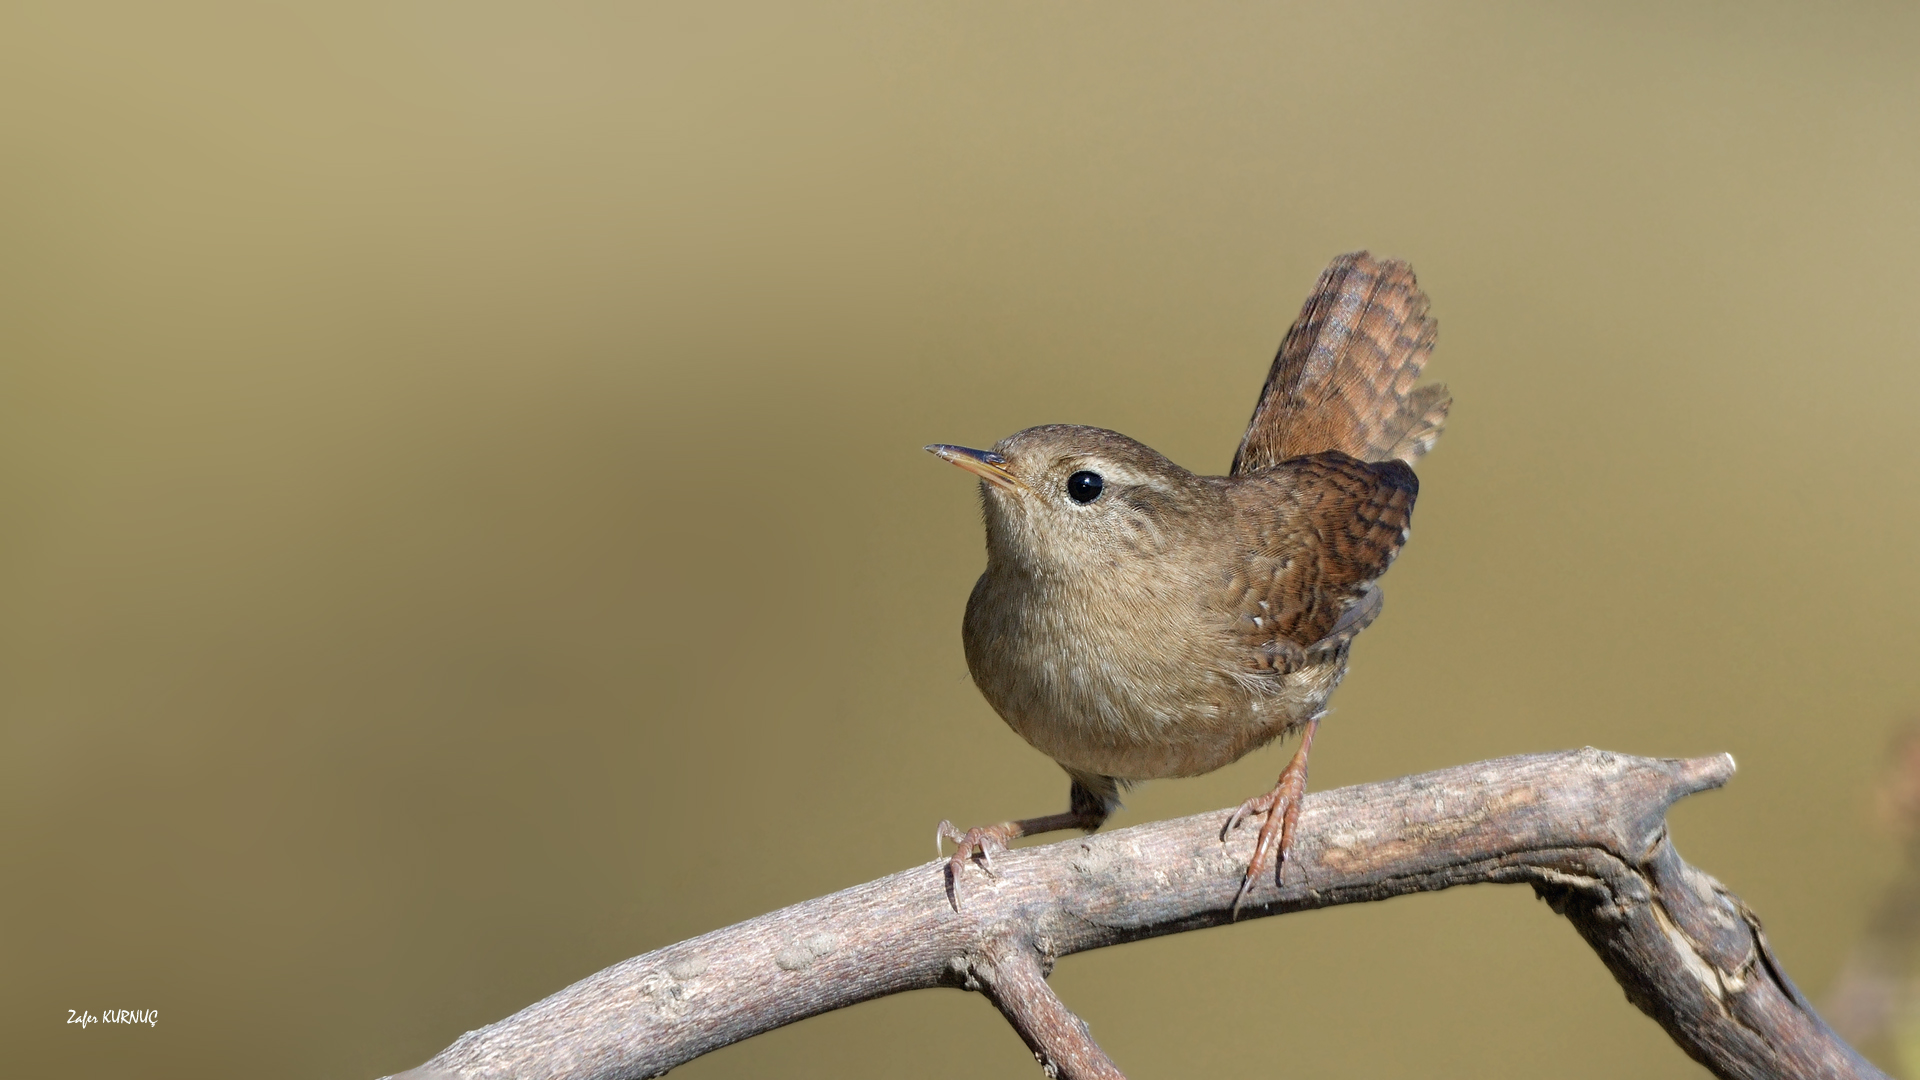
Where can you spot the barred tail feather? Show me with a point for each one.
(1344, 376)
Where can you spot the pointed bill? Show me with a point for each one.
(985, 464)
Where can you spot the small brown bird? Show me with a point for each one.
(1136, 621)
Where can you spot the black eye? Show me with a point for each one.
(1084, 486)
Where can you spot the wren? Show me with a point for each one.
(1137, 621)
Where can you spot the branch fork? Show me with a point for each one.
(1585, 828)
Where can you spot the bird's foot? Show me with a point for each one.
(1270, 848)
(978, 844)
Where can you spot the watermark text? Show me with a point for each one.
(149, 1017)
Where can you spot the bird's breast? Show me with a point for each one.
(1130, 679)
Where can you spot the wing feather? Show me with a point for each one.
(1324, 528)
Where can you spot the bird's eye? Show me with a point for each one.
(1084, 487)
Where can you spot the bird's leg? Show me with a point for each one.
(1092, 801)
(979, 843)
(1282, 807)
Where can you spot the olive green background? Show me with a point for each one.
(465, 522)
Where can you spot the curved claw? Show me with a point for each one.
(1259, 804)
(1262, 844)
(1270, 847)
(974, 845)
(1282, 807)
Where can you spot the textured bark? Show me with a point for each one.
(1586, 828)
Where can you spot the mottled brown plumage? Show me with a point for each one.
(1149, 622)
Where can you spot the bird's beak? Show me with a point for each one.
(985, 464)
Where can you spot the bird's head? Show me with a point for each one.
(1062, 498)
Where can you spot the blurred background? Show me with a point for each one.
(465, 521)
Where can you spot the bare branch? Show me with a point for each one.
(1585, 828)
(1016, 982)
